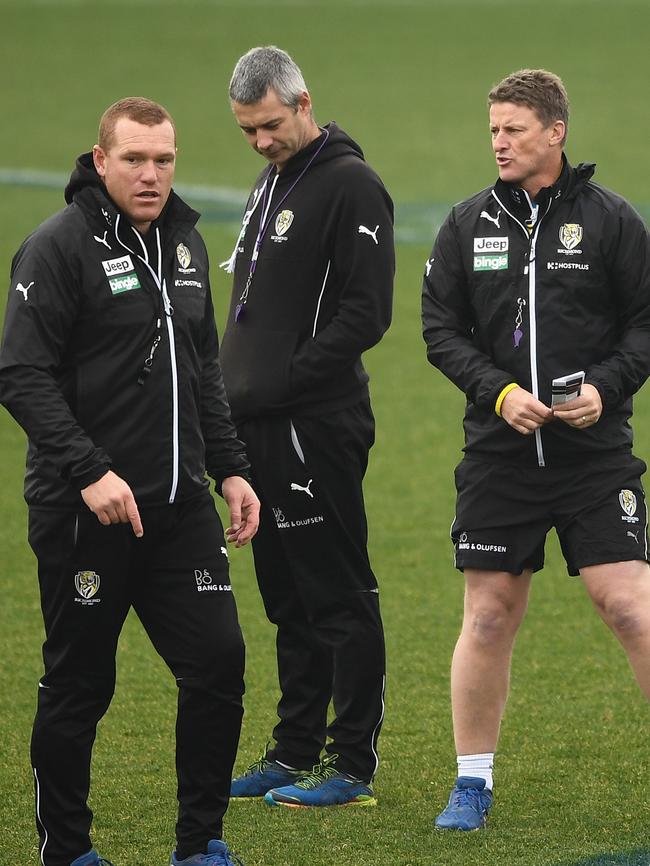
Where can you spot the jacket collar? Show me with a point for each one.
(570, 182)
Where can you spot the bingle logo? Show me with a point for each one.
(491, 263)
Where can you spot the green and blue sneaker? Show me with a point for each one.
(468, 806)
(218, 854)
(324, 786)
(261, 776)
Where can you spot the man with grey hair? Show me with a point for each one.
(536, 303)
(313, 269)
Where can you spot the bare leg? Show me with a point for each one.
(495, 604)
(620, 592)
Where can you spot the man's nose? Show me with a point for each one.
(264, 141)
(149, 172)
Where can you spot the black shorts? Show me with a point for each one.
(504, 512)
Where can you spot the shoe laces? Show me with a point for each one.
(260, 764)
(319, 774)
(468, 797)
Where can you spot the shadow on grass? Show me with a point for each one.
(629, 858)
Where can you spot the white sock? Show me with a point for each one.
(479, 766)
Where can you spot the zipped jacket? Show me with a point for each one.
(525, 292)
(110, 356)
(321, 286)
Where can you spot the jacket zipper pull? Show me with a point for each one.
(517, 334)
(146, 368)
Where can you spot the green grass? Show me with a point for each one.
(409, 81)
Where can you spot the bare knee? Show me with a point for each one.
(490, 623)
(495, 603)
(622, 614)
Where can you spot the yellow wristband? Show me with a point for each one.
(502, 396)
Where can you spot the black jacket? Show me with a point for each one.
(582, 282)
(322, 289)
(87, 303)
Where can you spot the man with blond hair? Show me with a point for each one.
(536, 304)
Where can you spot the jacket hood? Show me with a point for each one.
(84, 175)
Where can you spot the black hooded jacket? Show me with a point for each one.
(503, 305)
(321, 292)
(110, 356)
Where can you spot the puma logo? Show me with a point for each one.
(495, 220)
(365, 231)
(24, 289)
(103, 240)
(302, 489)
(428, 266)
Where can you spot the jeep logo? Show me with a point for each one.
(490, 245)
(118, 266)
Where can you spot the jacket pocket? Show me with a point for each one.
(256, 365)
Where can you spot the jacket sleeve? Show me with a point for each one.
(621, 374)
(364, 267)
(35, 359)
(225, 454)
(448, 324)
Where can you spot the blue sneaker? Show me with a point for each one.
(324, 786)
(92, 858)
(261, 776)
(468, 806)
(218, 855)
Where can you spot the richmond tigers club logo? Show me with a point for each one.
(283, 221)
(627, 500)
(570, 235)
(87, 584)
(183, 255)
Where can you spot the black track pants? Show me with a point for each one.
(318, 587)
(176, 578)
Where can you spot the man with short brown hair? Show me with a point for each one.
(536, 303)
(110, 364)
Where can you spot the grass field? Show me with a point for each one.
(408, 80)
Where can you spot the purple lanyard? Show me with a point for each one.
(265, 219)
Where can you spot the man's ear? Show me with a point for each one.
(99, 159)
(304, 102)
(558, 132)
